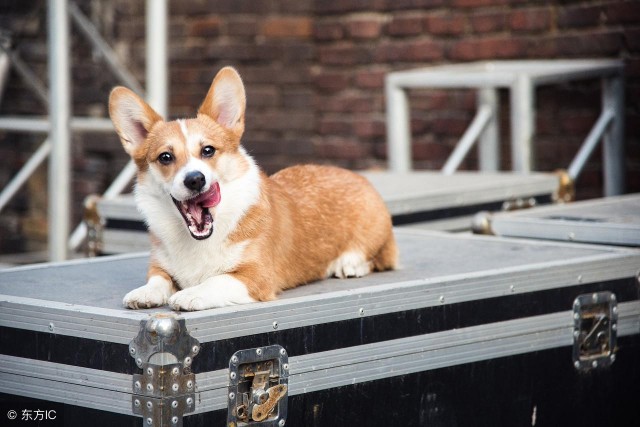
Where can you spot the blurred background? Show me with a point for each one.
(314, 72)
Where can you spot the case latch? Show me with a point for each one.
(258, 387)
(165, 391)
(595, 321)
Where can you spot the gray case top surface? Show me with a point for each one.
(609, 221)
(102, 282)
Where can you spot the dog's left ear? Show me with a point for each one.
(226, 101)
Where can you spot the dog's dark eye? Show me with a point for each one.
(165, 158)
(208, 151)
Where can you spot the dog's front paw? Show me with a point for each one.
(188, 300)
(154, 294)
(217, 291)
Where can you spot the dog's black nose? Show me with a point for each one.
(194, 181)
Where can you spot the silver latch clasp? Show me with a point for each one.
(595, 324)
(258, 386)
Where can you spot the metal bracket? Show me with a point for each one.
(518, 203)
(595, 325)
(258, 385)
(165, 391)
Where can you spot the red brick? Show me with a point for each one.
(295, 51)
(410, 51)
(262, 96)
(405, 25)
(344, 54)
(208, 26)
(627, 12)
(343, 148)
(407, 4)
(331, 82)
(297, 98)
(241, 25)
(365, 27)
(285, 120)
(333, 126)
(632, 69)
(448, 23)
(577, 123)
(477, 3)
(295, 6)
(542, 47)
(489, 48)
(530, 20)
(275, 74)
(350, 102)
(632, 39)
(369, 128)
(437, 153)
(489, 22)
(593, 43)
(324, 7)
(450, 123)
(328, 30)
(281, 27)
(579, 16)
(429, 99)
(371, 78)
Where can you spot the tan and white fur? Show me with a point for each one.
(224, 233)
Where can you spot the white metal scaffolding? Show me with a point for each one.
(60, 123)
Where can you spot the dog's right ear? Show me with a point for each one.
(132, 118)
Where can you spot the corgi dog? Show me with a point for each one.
(222, 232)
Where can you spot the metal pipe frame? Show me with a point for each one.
(24, 173)
(157, 62)
(43, 125)
(157, 92)
(523, 119)
(590, 143)
(521, 77)
(489, 144)
(613, 148)
(60, 114)
(398, 127)
(60, 123)
(28, 76)
(98, 43)
(471, 135)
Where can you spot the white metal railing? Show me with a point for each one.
(60, 123)
(521, 78)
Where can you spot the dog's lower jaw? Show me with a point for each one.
(217, 291)
(199, 230)
(155, 293)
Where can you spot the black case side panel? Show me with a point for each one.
(65, 415)
(534, 389)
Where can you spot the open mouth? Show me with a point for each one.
(196, 214)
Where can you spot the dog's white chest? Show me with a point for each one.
(193, 263)
(187, 260)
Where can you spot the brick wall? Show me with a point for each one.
(359, 42)
(314, 72)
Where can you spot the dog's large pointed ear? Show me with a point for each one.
(226, 101)
(132, 118)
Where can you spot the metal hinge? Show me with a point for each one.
(595, 325)
(258, 386)
(165, 390)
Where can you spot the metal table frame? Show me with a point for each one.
(521, 78)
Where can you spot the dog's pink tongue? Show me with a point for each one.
(211, 198)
